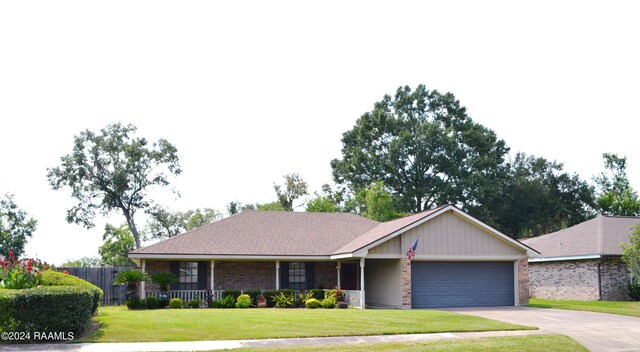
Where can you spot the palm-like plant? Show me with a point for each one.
(163, 279)
(131, 278)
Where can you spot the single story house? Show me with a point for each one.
(459, 261)
(582, 262)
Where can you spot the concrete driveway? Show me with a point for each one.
(596, 331)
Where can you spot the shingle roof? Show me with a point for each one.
(281, 233)
(268, 233)
(599, 236)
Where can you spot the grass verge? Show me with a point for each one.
(118, 324)
(529, 343)
(612, 307)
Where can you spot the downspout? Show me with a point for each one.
(599, 283)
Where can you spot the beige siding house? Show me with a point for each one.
(459, 261)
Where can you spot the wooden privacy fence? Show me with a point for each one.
(103, 277)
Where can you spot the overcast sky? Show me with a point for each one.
(251, 90)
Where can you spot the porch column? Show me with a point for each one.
(213, 281)
(338, 267)
(277, 274)
(143, 267)
(362, 305)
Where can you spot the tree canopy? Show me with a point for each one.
(16, 226)
(113, 170)
(614, 194)
(118, 242)
(163, 224)
(535, 197)
(294, 187)
(422, 145)
(83, 262)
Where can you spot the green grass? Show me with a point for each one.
(117, 324)
(612, 307)
(530, 343)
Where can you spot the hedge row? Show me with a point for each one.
(63, 303)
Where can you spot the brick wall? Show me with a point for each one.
(614, 277)
(523, 282)
(155, 266)
(576, 280)
(406, 283)
(241, 275)
(326, 275)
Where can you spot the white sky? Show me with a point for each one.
(251, 90)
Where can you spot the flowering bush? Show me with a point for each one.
(19, 274)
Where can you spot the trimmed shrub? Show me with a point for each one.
(343, 305)
(217, 303)
(317, 293)
(243, 301)
(46, 309)
(54, 278)
(234, 293)
(268, 295)
(152, 302)
(312, 303)
(329, 302)
(194, 303)
(175, 303)
(136, 303)
(253, 294)
(63, 303)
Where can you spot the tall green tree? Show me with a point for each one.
(327, 201)
(378, 203)
(422, 145)
(293, 188)
(631, 255)
(16, 227)
(614, 194)
(118, 242)
(163, 224)
(113, 170)
(535, 197)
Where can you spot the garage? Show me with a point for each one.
(461, 284)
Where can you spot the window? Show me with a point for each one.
(188, 276)
(297, 277)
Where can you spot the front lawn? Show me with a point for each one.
(530, 343)
(118, 324)
(612, 307)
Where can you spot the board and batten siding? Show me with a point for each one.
(448, 235)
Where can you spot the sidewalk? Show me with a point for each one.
(233, 344)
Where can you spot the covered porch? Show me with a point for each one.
(208, 279)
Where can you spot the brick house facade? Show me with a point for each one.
(582, 262)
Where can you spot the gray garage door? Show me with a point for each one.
(461, 284)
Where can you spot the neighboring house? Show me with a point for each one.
(459, 261)
(582, 262)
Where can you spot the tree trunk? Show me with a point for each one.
(132, 227)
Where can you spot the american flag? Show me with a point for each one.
(412, 251)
